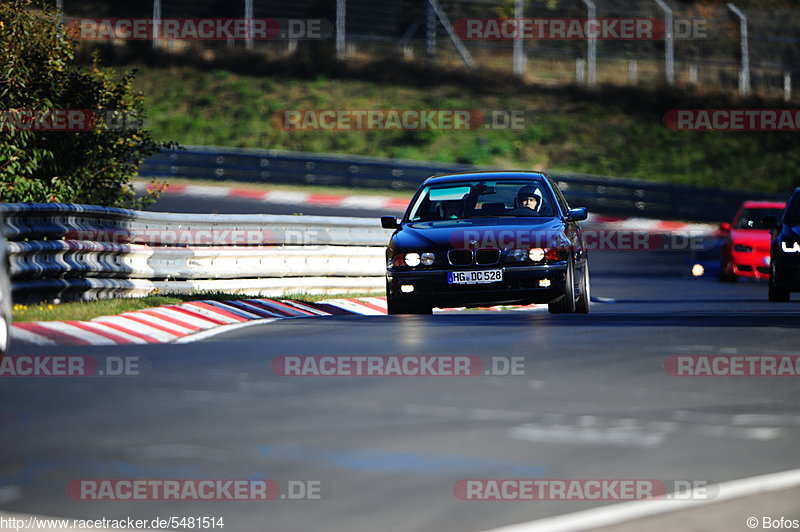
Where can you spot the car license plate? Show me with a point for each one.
(475, 277)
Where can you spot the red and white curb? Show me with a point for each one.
(172, 323)
(357, 201)
(290, 197)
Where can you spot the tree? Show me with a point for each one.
(67, 133)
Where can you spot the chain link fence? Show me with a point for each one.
(743, 47)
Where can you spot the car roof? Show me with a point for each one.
(752, 204)
(491, 175)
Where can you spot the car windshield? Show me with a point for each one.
(483, 199)
(751, 218)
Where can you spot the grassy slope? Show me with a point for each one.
(612, 132)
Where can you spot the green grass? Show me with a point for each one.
(86, 310)
(613, 131)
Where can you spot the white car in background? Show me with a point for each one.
(5, 295)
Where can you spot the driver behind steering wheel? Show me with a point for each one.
(528, 202)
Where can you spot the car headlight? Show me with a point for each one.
(793, 247)
(742, 248)
(428, 259)
(536, 254)
(412, 259)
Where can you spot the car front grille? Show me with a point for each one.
(487, 256)
(460, 257)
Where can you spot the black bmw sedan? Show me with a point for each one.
(487, 238)
(784, 275)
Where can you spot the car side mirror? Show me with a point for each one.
(389, 222)
(770, 221)
(578, 215)
(725, 226)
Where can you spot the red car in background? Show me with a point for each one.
(745, 252)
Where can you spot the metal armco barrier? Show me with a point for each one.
(87, 251)
(607, 195)
(54, 221)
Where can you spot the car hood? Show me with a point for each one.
(755, 238)
(493, 232)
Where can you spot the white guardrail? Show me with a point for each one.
(86, 252)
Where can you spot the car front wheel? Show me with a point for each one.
(726, 274)
(565, 305)
(776, 293)
(585, 297)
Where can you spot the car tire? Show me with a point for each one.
(776, 293)
(394, 307)
(585, 298)
(565, 304)
(726, 274)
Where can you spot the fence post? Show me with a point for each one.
(341, 19)
(519, 44)
(787, 86)
(693, 74)
(248, 17)
(633, 72)
(430, 30)
(669, 42)
(156, 21)
(592, 47)
(580, 70)
(448, 28)
(744, 74)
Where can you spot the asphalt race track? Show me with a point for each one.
(596, 403)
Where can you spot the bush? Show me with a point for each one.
(39, 75)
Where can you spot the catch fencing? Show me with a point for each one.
(740, 46)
